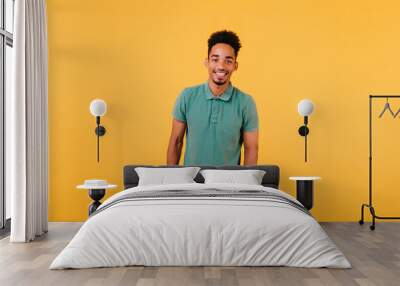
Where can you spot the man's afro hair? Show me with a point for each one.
(225, 37)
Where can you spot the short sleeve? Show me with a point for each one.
(250, 116)
(179, 111)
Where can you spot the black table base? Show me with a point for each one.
(304, 193)
(96, 195)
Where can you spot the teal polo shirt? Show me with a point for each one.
(215, 124)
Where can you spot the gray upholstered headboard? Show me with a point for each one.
(270, 179)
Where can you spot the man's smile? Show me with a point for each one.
(219, 73)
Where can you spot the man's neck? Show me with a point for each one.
(216, 89)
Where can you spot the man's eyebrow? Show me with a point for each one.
(217, 56)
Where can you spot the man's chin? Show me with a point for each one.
(217, 82)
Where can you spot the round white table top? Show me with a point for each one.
(87, 187)
(304, 178)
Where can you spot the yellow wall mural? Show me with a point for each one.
(139, 55)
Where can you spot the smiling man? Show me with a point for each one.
(216, 116)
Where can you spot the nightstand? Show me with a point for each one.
(304, 190)
(97, 190)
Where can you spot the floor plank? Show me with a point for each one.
(375, 257)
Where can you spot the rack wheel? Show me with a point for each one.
(361, 222)
(372, 227)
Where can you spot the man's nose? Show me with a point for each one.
(221, 65)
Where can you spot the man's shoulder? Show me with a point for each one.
(194, 89)
(243, 97)
(191, 93)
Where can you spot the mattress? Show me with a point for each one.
(201, 225)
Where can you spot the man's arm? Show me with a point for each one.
(176, 142)
(250, 140)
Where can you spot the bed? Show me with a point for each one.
(198, 224)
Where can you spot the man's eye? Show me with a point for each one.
(229, 62)
(214, 60)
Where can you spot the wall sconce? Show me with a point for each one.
(305, 108)
(98, 108)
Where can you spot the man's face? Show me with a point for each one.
(221, 63)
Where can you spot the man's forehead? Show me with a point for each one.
(222, 47)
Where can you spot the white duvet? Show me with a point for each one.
(200, 231)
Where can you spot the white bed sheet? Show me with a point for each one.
(200, 232)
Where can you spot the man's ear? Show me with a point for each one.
(206, 62)
(236, 65)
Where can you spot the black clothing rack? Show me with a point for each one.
(370, 205)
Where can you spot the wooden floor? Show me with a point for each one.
(375, 257)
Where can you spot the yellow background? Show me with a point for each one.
(138, 56)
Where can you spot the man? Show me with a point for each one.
(216, 116)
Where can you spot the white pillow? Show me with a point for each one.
(163, 176)
(248, 177)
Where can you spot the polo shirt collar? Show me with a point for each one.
(225, 96)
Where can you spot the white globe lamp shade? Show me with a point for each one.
(98, 107)
(305, 107)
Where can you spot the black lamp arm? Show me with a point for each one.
(100, 131)
(303, 131)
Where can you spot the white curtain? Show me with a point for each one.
(26, 123)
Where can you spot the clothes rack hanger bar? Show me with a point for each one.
(384, 96)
